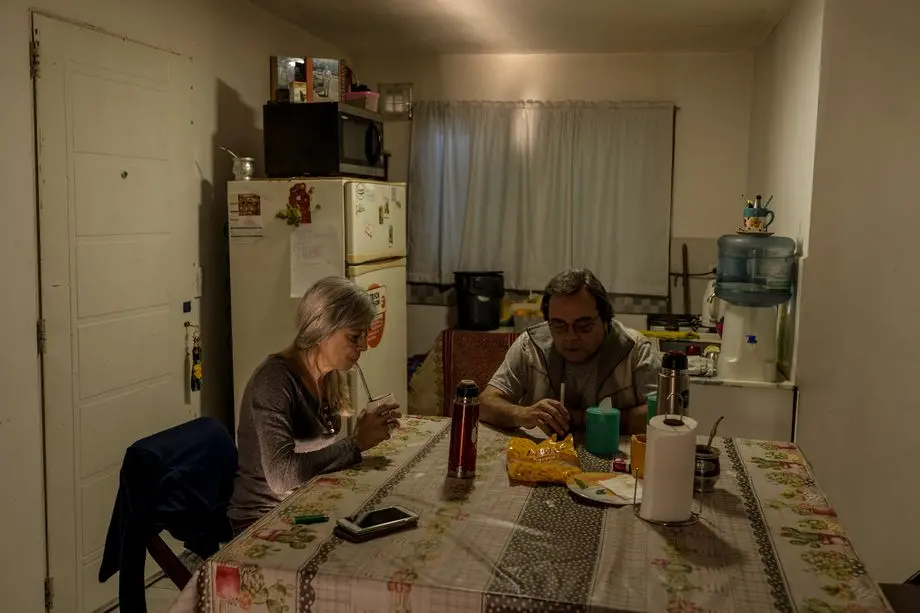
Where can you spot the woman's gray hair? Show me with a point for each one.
(330, 305)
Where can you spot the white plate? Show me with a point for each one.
(587, 485)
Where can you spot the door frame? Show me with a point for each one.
(35, 58)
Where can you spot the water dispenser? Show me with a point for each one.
(755, 270)
(754, 276)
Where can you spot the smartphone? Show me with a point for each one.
(365, 526)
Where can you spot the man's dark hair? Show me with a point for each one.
(569, 283)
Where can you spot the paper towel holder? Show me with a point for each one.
(694, 515)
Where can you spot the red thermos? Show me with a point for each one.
(464, 430)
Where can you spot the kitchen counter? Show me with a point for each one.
(752, 409)
(783, 384)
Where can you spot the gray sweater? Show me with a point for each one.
(277, 410)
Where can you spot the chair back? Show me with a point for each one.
(179, 480)
(469, 354)
(192, 467)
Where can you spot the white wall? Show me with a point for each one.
(784, 116)
(713, 92)
(230, 41)
(425, 324)
(858, 418)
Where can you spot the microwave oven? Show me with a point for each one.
(322, 139)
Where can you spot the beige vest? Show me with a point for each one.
(616, 364)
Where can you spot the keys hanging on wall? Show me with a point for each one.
(193, 338)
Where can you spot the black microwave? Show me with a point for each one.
(323, 139)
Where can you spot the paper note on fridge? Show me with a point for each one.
(316, 252)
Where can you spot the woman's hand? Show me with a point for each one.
(374, 426)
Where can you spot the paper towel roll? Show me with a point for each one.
(670, 458)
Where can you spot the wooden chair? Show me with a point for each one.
(468, 354)
(904, 597)
(174, 569)
(178, 480)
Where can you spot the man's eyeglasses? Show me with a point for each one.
(583, 325)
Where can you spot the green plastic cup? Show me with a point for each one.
(602, 431)
(651, 406)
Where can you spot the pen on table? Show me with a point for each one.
(302, 520)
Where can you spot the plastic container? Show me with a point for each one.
(651, 406)
(602, 431)
(507, 313)
(755, 270)
(479, 299)
(364, 100)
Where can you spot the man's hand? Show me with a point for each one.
(548, 414)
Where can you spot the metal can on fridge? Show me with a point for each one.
(464, 430)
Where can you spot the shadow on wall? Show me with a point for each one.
(237, 131)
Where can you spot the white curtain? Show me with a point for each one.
(534, 188)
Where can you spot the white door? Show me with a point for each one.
(375, 218)
(117, 216)
(384, 363)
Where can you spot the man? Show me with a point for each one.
(581, 345)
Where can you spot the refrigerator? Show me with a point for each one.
(284, 235)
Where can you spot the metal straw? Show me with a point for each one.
(712, 433)
(367, 390)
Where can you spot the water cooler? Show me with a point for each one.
(754, 277)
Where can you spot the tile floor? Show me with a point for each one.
(160, 596)
(163, 593)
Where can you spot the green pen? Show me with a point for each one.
(302, 520)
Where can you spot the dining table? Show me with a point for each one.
(767, 539)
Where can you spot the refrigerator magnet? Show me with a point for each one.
(380, 215)
(359, 196)
(386, 207)
(378, 294)
(369, 230)
(391, 236)
(299, 198)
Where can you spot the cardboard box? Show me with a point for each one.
(308, 79)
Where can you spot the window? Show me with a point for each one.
(532, 188)
(396, 101)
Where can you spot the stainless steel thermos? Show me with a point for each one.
(673, 385)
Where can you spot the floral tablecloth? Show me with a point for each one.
(767, 541)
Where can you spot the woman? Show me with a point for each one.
(298, 394)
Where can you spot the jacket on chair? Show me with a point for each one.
(179, 480)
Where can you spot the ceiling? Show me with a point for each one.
(534, 26)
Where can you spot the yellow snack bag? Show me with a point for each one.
(550, 461)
